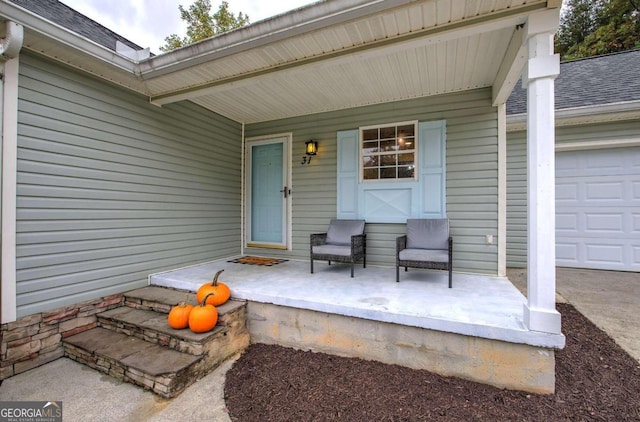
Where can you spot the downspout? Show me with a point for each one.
(10, 47)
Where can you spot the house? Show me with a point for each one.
(597, 165)
(117, 164)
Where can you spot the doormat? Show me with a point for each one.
(257, 260)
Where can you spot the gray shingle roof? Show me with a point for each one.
(67, 17)
(596, 80)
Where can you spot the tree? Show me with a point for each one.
(202, 24)
(593, 27)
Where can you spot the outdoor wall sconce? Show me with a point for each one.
(311, 147)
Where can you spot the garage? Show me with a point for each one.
(598, 209)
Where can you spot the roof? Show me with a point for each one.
(327, 56)
(607, 79)
(67, 17)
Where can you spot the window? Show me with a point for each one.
(388, 152)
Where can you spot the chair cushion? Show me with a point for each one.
(340, 250)
(340, 231)
(428, 233)
(424, 255)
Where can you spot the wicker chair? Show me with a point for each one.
(344, 241)
(427, 244)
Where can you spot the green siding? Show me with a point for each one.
(472, 174)
(517, 176)
(111, 188)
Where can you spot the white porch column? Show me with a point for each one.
(9, 50)
(542, 67)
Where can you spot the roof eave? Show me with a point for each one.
(38, 25)
(314, 16)
(599, 113)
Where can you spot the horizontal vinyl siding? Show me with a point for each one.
(517, 176)
(111, 188)
(471, 159)
(516, 199)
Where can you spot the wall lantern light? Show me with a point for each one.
(311, 147)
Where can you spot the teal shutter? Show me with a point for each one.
(347, 201)
(432, 169)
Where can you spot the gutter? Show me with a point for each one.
(602, 113)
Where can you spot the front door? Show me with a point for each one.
(268, 191)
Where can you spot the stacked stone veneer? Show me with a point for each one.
(36, 339)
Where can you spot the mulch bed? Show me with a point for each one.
(595, 381)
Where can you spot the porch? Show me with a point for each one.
(474, 330)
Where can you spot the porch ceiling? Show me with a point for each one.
(330, 55)
(371, 53)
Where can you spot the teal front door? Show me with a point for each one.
(268, 193)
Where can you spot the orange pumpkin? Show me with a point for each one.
(220, 292)
(203, 317)
(179, 315)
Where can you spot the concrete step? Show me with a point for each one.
(164, 371)
(134, 342)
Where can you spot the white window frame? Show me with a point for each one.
(415, 151)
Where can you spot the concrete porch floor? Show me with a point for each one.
(477, 305)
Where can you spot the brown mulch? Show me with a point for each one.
(595, 381)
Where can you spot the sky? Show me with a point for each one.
(148, 22)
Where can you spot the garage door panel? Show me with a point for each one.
(602, 253)
(566, 191)
(566, 222)
(597, 209)
(598, 191)
(567, 253)
(601, 223)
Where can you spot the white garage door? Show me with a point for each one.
(598, 209)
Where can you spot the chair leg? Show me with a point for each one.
(311, 265)
(397, 273)
(450, 277)
(351, 269)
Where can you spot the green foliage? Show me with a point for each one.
(593, 27)
(203, 25)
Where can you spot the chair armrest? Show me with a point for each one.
(358, 242)
(317, 239)
(401, 243)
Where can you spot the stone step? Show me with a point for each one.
(153, 327)
(155, 298)
(164, 371)
(162, 299)
(134, 342)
